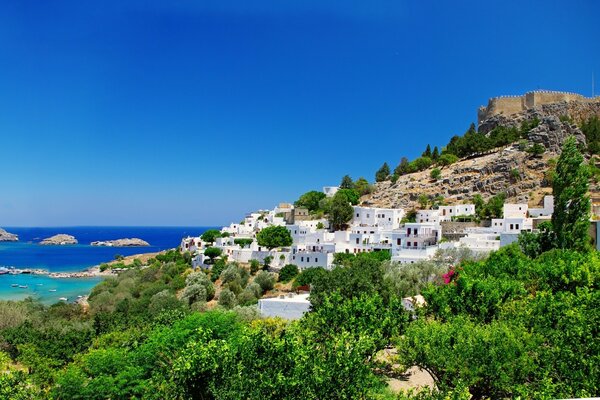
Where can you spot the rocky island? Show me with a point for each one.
(128, 242)
(59, 240)
(7, 236)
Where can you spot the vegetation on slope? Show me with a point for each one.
(511, 325)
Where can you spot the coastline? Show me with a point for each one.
(90, 272)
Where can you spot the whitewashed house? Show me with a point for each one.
(447, 212)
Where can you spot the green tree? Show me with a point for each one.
(535, 243)
(423, 201)
(427, 152)
(227, 299)
(591, 130)
(265, 280)
(212, 253)
(310, 200)
(287, 273)
(447, 159)
(382, 173)
(403, 167)
(435, 174)
(351, 195)
(341, 211)
(362, 186)
(243, 242)
(536, 150)
(274, 236)
(347, 183)
(210, 235)
(436, 153)
(254, 266)
(571, 216)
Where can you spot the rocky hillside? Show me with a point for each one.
(508, 169)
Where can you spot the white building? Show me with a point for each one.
(447, 212)
(428, 216)
(290, 306)
(546, 210)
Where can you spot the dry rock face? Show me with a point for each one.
(60, 239)
(495, 173)
(133, 242)
(7, 236)
(487, 175)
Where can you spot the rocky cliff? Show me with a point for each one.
(7, 237)
(59, 240)
(509, 169)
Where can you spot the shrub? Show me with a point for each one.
(227, 299)
(193, 293)
(266, 280)
(435, 174)
(254, 266)
(288, 273)
(308, 276)
(447, 159)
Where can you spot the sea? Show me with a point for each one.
(27, 253)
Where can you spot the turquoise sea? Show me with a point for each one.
(27, 253)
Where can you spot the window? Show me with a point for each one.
(302, 259)
(408, 244)
(356, 240)
(356, 215)
(398, 242)
(511, 226)
(517, 226)
(415, 244)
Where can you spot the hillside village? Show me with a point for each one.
(393, 217)
(371, 229)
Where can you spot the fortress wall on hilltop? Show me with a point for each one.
(508, 105)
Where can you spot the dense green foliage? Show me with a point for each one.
(512, 326)
(518, 324)
(472, 143)
(288, 272)
(382, 173)
(310, 200)
(591, 130)
(571, 200)
(341, 211)
(210, 235)
(274, 236)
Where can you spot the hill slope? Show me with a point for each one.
(508, 169)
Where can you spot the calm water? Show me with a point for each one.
(28, 254)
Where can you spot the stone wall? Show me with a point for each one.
(508, 105)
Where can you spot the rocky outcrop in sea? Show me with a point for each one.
(7, 236)
(128, 242)
(59, 240)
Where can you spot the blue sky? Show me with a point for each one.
(175, 113)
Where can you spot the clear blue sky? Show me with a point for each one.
(174, 113)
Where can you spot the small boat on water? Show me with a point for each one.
(23, 286)
(63, 299)
(39, 284)
(52, 290)
(15, 285)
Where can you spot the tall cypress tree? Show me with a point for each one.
(346, 183)
(382, 173)
(436, 153)
(427, 152)
(571, 217)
